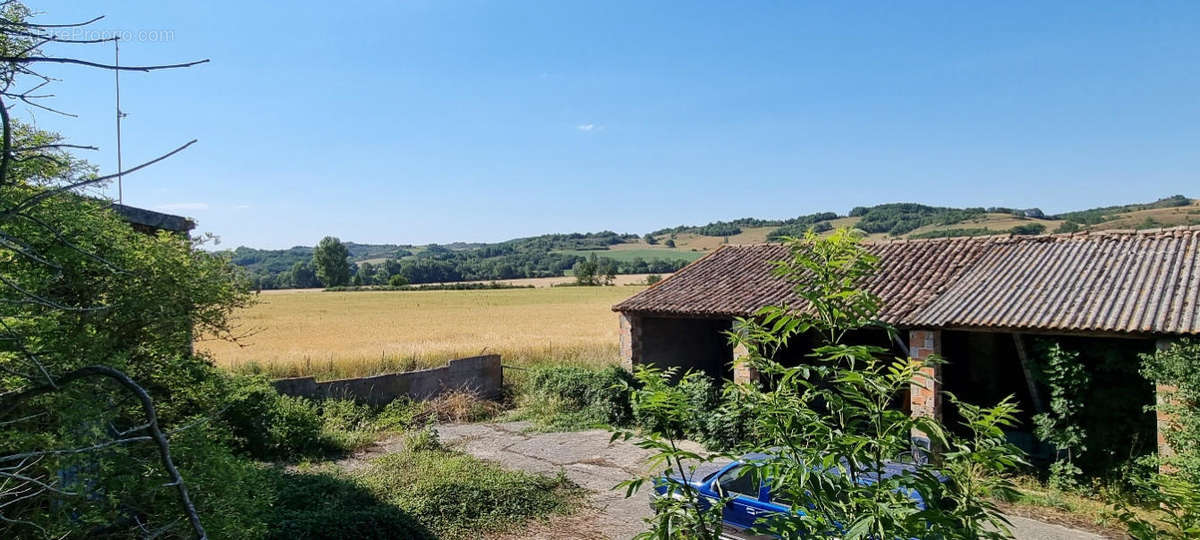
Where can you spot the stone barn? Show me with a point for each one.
(985, 304)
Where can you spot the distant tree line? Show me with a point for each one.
(540, 256)
(730, 228)
(1095, 216)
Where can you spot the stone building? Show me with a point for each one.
(982, 303)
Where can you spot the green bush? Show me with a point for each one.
(267, 425)
(569, 397)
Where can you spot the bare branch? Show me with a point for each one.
(48, 37)
(59, 60)
(70, 187)
(7, 22)
(54, 146)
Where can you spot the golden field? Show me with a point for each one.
(344, 334)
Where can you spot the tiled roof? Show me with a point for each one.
(1145, 282)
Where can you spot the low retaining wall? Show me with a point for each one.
(479, 374)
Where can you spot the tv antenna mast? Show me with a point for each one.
(120, 115)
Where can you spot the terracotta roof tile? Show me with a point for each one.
(1145, 282)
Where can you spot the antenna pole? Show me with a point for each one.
(117, 73)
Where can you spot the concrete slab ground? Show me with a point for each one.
(589, 460)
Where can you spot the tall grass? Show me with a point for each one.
(594, 356)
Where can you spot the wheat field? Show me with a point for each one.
(345, 334)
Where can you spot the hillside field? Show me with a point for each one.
(345, 334)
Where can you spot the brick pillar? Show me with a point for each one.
(742, 372)
(631, 340)
(925, 391)
(1162, 395)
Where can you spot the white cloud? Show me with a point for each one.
(589, 127)
(181, 206)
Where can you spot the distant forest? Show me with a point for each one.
(554, 255)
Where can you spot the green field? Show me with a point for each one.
(626, 255)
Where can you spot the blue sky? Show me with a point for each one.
(424, 121)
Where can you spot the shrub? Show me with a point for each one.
(423, 440)
(1177, 504)
(573, 397)
(702, 398)
(267, 425)
(401, 413)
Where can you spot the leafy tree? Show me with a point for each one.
(330, 261)
(1028, 229)
(650, 239)
(670, 243)
(302, 276)
(826, 423)
(585, 271)
(365, 275)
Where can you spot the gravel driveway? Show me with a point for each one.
(589, 460)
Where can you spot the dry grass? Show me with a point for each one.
(461, 406)
(1076, 510)
(348, 334)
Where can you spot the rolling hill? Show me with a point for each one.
(665, 250)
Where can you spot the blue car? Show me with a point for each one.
(752, 500)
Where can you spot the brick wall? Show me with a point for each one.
(479, 374)
(925, 391)
(631, 340)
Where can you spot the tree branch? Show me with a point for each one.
(156, 434)
(59, 60)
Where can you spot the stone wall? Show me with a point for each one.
(479, 374)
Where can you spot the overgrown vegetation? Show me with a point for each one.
(422, 491)
(1176, 369)
(828, 428)
(1061, 426)
(458, 496)
(571, 398)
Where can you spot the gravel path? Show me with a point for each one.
(589, 460)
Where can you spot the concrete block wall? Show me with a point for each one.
(482, 375)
